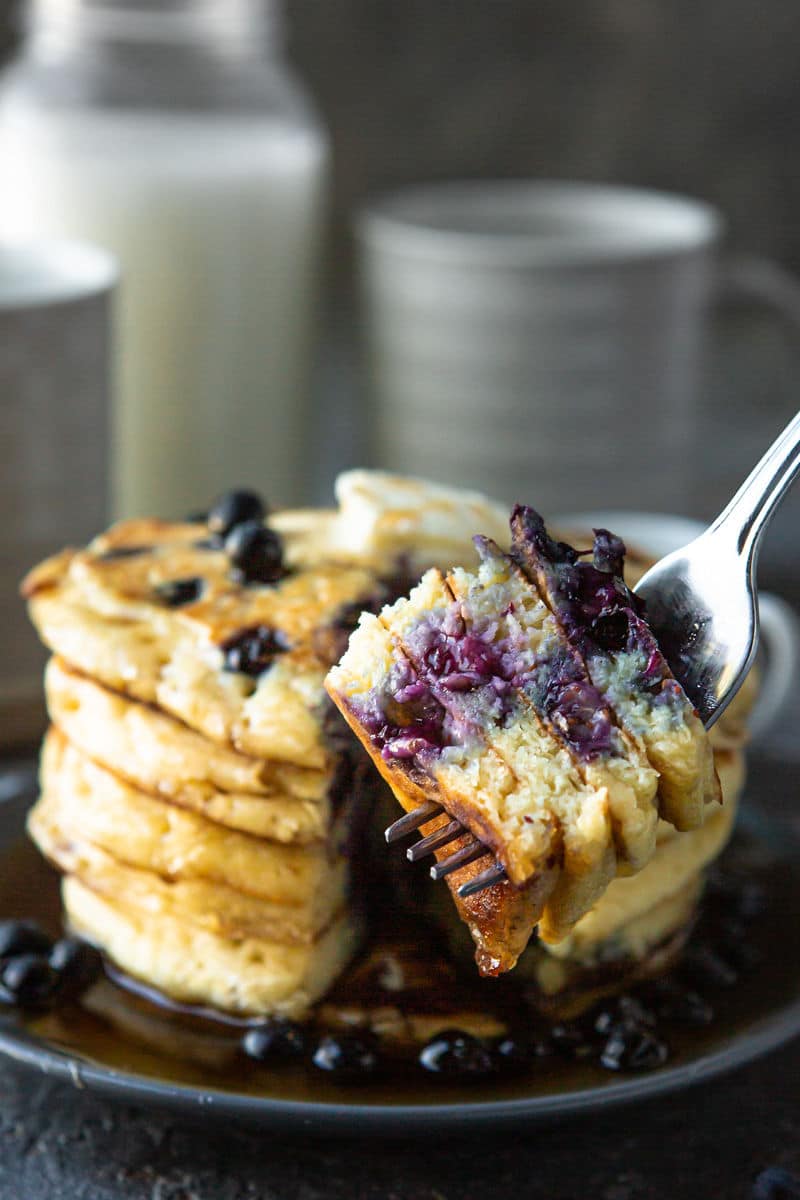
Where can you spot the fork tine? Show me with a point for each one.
(434, 841)
(412, 820)
(494, 874)
(460, 858)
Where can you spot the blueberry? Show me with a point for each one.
(78, 965)
(457, 1055)
(234, 508)
(22, 937)
(275, 1039)
(515, 1053)
(176, 592)
(705, 967)
(256, 553)
(253, 650)
(626, 1013)
(682, 1006)
(776, 1183)
(571, 1041)
(29, 981)
(347, 1056)
(632, 1049)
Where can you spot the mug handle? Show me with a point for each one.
(780, 637)
(753, 277)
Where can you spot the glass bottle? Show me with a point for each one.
(173, 133)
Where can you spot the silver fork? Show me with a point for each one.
(702, 602)
(702, 606)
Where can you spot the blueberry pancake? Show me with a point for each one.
(604, 621)
(470, 692)
(165, 758)
(163, 614)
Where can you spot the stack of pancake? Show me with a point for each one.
(196, 791)
(200, 795)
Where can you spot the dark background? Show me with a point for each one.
(695, 95)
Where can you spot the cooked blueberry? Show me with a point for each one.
(253, 650)
(347, 1056)
(626, 1012)
(633, 1049)
(29, 981)
(514, 1053)
(78, 965)
(569, 1039)
(610, 631)
(273, 1039)
(680, 1005)
(22, 937)
(176, 592)
(123, 552)
(776, 1183)
(234, 508)
(457, 1055)
(705, 967)
(256, 553)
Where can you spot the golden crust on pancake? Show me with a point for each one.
(142, 831)
(99, 608)
(162, 756)
(252, 976)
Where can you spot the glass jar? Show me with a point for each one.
(174, 134)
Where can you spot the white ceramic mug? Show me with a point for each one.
(54, 412)
(659, 534)
(545, 340)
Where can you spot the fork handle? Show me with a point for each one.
(751, 509)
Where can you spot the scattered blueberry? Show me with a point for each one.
(123, 552)
(515, 1053)
(776, 1183)
(234, 508)
(22, 937)
(457, 1055)
(273, 1039)
(176, 592)
(571, 1041)
(347, 1056)
(633, 1049)
(253, 650)
(78, 965)
(705, 967)
(256, 553)
(680, 1005)
(29, 981)
(626, 1012)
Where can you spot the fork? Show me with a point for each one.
(702, 605)
(702, 602)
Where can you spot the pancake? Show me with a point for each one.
(162, 756)
(140, 831)
(605, 623)
(240, 663)
(249, 977)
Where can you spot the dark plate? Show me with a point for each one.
(758, 1016)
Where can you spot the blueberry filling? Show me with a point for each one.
(598, 612)
(234, 508)
(255, 552)
(252, 651)
(177, 592)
